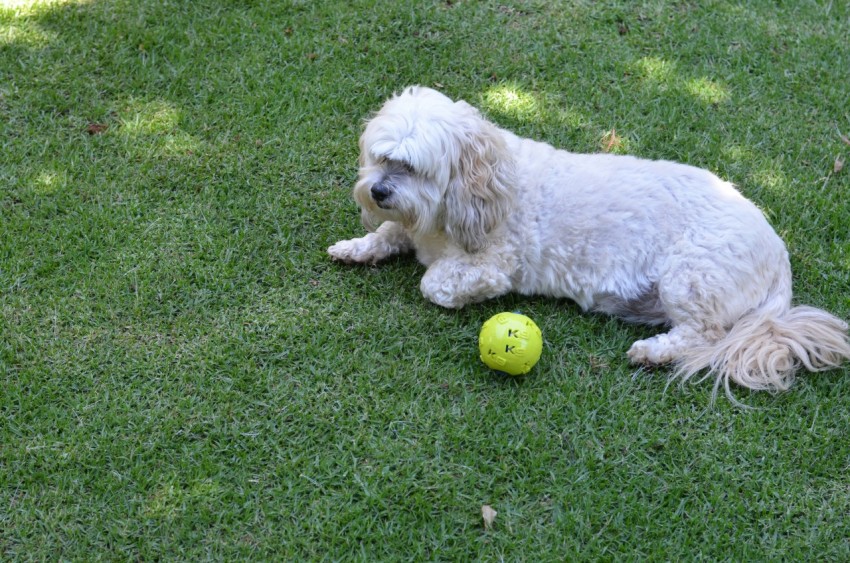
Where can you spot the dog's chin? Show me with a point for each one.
(378, 213)
(369, 220)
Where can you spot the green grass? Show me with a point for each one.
(185, 375)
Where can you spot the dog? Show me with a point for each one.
(655, 242)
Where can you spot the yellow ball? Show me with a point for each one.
(511, 343)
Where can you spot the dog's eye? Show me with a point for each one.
(408, 168)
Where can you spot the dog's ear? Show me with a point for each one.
(479, 194)
(361, 143)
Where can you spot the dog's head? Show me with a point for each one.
(434, 165)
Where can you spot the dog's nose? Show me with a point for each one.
(380, 191)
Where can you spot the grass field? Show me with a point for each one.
(186, 375)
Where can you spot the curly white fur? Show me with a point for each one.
(650, 241)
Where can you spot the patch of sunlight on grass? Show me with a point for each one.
(25, 34)
(30, 7)
(736, 153)
(771, 180)
(510, 100)
(150, 117)
(707, 90)
(171, 500)
(663, 75)
(161, 120)
(49, 182)
(655, 69)
(180, 144)
(572, 118)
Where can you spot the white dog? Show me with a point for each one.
(650, 241)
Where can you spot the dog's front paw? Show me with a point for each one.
(442, 294)
(447, 284)
(354, 251)
(453, 284)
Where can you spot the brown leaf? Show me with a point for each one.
(611, 141)
(845, 139)
(597, 363)
(838, 165)
(96, 128)
(489, 516)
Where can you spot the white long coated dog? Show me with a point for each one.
(650, 241)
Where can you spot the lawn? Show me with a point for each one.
(186, 375)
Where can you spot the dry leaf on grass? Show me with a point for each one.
(96, 128)
(489, 516)
(611, 141)
(838, 165)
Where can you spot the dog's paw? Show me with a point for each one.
(453, 284)
(639, 353)
(440, 286)
(354, 251)
(442, 296)
(652, 351)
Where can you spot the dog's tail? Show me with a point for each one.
(764, 350)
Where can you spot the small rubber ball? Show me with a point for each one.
(510, 343)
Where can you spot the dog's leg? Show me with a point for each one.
(693, 302)
(453, 282)
(388, 240)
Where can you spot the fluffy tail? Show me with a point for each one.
(763, 351)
